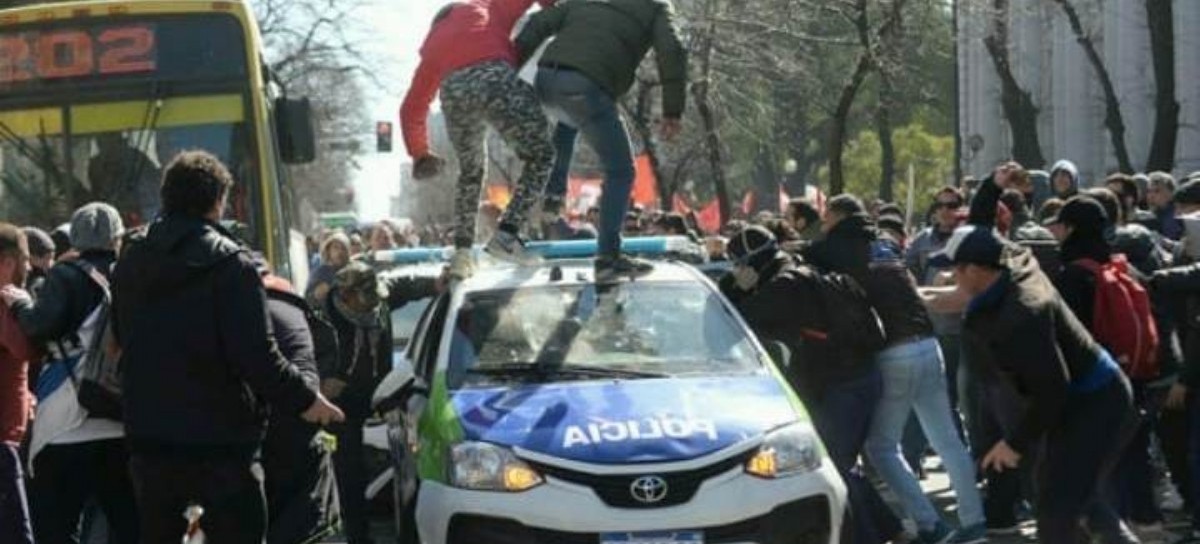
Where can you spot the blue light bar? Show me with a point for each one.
(565, 249)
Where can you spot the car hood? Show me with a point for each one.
(617, 422)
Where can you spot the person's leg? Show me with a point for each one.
(114, 489)
(163, 488)
(952, 350)
(883, 441)
(235, 508)
(465, 127)
(564, 148)
(351, 469)
(1135, 476)
(587, 107)
(514, 111)
(1193, 457)
(1172, 433)
(292, 471)
(14, 506)
(60, 485)
(932, 404)
(914, 444)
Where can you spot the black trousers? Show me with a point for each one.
(1079, 456)
(229, 489)
(14, 508)
(65, 476)
(293, 465)
(350, 464)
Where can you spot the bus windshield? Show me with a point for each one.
(93, 109)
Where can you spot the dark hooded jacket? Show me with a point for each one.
(853, 247)
(199, 359)
(1022, 332)
(1177, 292)
(1076, 283)
(64, 300)
(783, 307)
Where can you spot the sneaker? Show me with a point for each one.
(462, 264)
(1003, 529)
(940, 534)
(509, 247)
(975, 534)
(610, 269)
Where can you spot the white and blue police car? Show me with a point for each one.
(537, 406)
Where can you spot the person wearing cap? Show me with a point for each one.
(41, 258)
(200, 366)
(360, 307)
(75, 457)
(1078, 404)
(778, 296)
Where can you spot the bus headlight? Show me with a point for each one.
(788, 451)
(486, 467)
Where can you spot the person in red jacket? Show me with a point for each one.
(468, 55)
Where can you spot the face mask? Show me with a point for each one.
(745, 277)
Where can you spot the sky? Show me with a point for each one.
(395, 31)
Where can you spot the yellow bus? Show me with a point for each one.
(95, 97)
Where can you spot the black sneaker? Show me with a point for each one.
(609, 269)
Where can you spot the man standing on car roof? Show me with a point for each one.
(469, 56)
(589, 66)
(360, 307)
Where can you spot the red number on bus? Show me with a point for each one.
(64, 54)
(14, 59)
(127, 50)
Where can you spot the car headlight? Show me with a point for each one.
(788, 451)
(486, 467)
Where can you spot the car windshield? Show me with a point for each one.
(640, 329)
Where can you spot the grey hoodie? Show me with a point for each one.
(1070, 168)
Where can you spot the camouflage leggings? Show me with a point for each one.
(485, 94)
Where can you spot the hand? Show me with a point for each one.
(669, 128)
(12, 294)
(1177, 396)
(332, 388)
(442, 283)
(1004, 174)
(1001, 458)
(322, 412)
(428, 166)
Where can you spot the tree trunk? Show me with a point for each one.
(1017, 103)
(766, 180)
(642, 124)
(841, 119)
(701, 90)
(1113, 119)
(887, 147)
(1160, 19)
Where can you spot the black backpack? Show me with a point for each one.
(852, 327)
(97, 375)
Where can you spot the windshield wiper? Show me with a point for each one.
(550, 372)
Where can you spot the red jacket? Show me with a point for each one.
(15, 401)
(470, 32)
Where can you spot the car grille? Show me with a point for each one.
(614, 490)
(805, 521)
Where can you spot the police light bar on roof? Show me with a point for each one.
(657, 246)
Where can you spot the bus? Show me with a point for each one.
(96, 97)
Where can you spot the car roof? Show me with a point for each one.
(569, 272)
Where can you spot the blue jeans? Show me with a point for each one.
(913, 379)
(842, 417)
(582, 107)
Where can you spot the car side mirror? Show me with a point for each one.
(397, 386)
(294, 130)
(779, 353)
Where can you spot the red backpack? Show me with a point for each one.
(1121, 318)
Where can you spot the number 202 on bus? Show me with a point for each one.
(57, 54)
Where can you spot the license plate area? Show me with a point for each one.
(660, 537)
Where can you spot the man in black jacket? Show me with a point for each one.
(190, 316)
(1079, 404)
(779, 297)
(360, 308)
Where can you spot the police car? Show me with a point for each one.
(534, 405)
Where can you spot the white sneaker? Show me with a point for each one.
(462, 264)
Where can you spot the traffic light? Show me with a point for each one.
(383, 136)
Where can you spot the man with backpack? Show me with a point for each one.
(199, 365)
(592, 62)
(76, 452)
(833, 334)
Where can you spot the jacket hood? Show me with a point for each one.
(197, 242)
(857, 227)
(644, 421)
(1068, 167)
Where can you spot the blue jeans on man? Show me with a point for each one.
(582, 108)
(914, 380)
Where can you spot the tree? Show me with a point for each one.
(1160, 17)
(1114, 121)
(701, 90)
(1017, 103)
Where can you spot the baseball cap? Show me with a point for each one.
(1189, 193)
(1082, 212)
(970, 244)
(753, 244)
